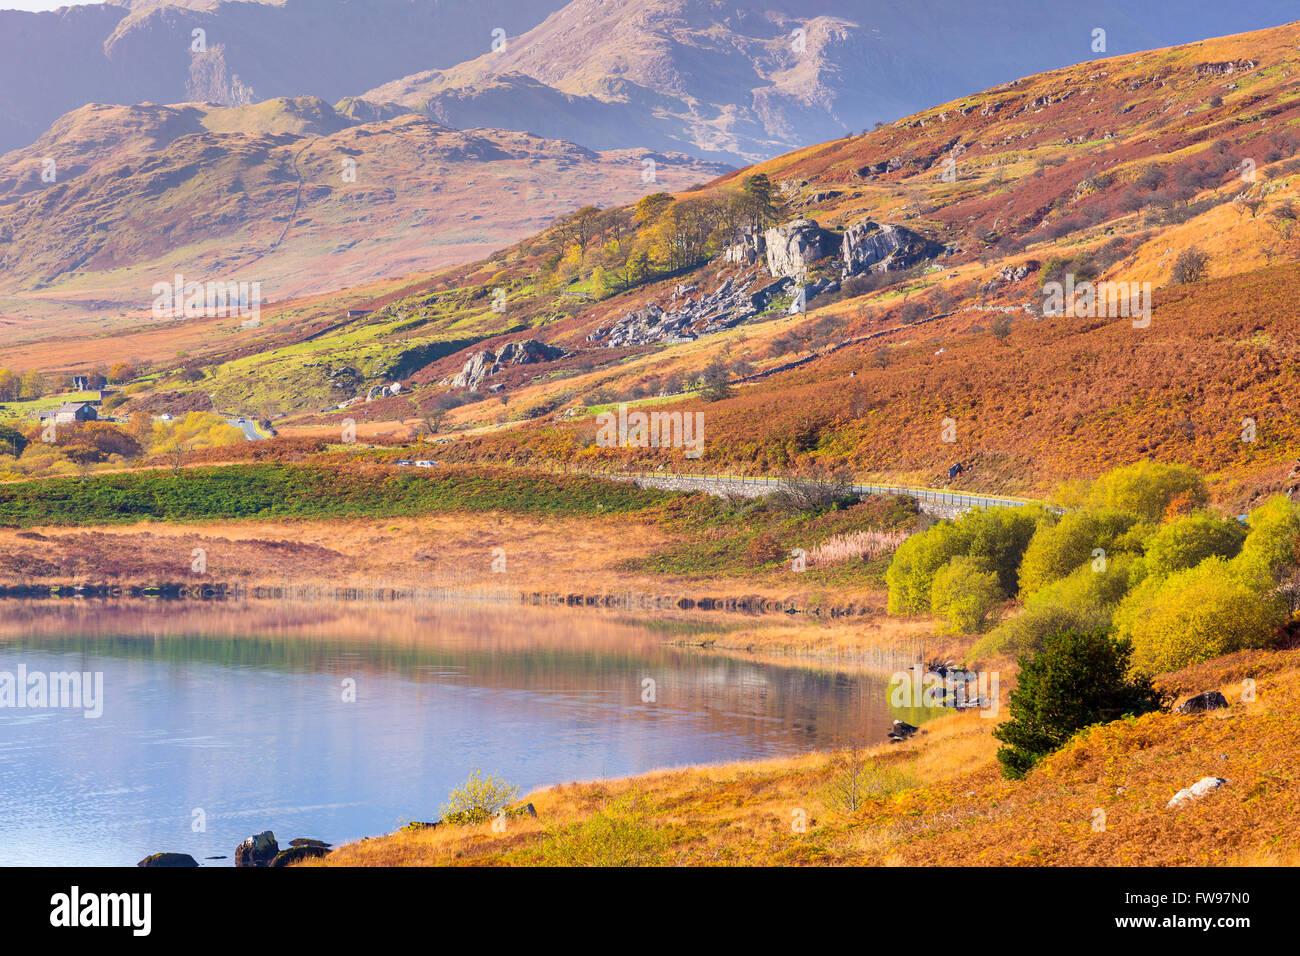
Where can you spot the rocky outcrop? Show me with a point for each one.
(730, 304)
(792, 248)
(901, 731)
(746, 252)
(1210, 700)
(302, 850)
(1010, 275)
(258, 850)
(476, 369)
(871, 247)
(485, 363)
(169, 859)
(1199, 789)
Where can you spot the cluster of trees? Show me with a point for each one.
(26, 386)
(87, 444)
(1141, 578)
(1142, 558)
(16, 387)
(620, 248)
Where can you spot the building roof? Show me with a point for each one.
(66, 408)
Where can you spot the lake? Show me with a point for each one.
(221, 720)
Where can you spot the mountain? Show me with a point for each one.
(292, 193)
(744, 80)
(727, 80)
(54, 63)
(925, 249)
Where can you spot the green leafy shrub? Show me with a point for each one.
(1186, 542)
(1000, 536)
(1026, 632)
(1076, 680)
(997, 535)
(1147, 489)
(965, 591)
(911, 574)
(1196, 614)
(477, 800)
(1272, 544)
(618, 835)
(855, 779)
(1058, 550)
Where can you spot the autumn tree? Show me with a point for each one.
(580, 229)
(32, 386)
(760, 204)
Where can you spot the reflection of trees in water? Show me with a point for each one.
(602, 658)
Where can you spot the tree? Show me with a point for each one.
(649, 208)
(32, 386)
(9, 385)
(1197, 614)
(121, 372)
(12, 441)
(760, 206)
(1077, 680)
(1272, 546)
(580, 228)
(716, 381)
(435, 419)
(1249, 202)
(1059, 549)
(1001, 326)
(1192, 265)
(140, 425)
(813, 494)
(964, 592)
(1000, 537)
(1186, 542)
(910, 575)
(1147, 488)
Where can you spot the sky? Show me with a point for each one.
(41, 4)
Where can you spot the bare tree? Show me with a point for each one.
(818, 493)
(1192, 265)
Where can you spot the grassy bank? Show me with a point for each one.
(277, 491)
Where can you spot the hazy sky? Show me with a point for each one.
(41, 4)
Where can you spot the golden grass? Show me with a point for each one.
(554, 556)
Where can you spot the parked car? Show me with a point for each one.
(425, 464)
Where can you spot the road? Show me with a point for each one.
(248, 428)
(755, 487)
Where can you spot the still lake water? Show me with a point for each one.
(238, 713)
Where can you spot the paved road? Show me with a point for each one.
(248, 428)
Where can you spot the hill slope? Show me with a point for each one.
(291, 193)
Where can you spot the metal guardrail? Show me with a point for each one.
(921, 494)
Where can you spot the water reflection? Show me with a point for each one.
(243, 716)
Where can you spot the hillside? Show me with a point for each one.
(295, 194)
(1106, 171)
(923, 247)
